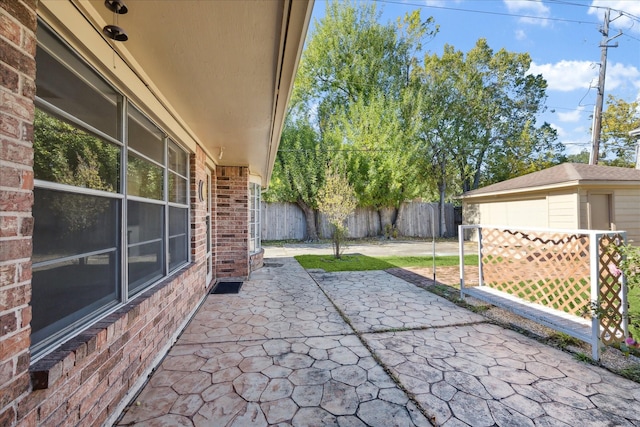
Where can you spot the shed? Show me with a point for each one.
(566, 196)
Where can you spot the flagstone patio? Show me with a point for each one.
(366, 349)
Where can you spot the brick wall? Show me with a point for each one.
(87, 379)
(232, 221)
(17, 90)
(198, 175)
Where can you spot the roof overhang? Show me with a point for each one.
(224, 70)
(530, 191)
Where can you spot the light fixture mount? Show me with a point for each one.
(116, 6)
(115, 33)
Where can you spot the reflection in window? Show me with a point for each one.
(68, 155)
(144, 179)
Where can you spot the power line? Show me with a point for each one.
(515, 15)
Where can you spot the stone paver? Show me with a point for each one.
(279, 353)
(276, 354)
(379, 301)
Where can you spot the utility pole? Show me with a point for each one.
(597, 115)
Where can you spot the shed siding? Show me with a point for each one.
(515, 213)
(584, 209)
(626, 212)
(563, 210)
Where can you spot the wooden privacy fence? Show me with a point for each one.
(286, 221)
(555, 277)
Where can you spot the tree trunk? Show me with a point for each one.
(387, 219)
(442, 186)
(310, 219)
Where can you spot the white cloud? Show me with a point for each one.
(520, 35)
(565, 76)
(571, 116)
(530, 8)
(622, 75)
(623, 22)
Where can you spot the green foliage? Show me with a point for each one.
(353, 78)
(300, 164)
(617, 146)
(631, 372)
(479, 116)
(67, 155)
(563, 340)
(336, 199)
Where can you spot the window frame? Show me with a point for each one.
(50, 43)
(255, 212)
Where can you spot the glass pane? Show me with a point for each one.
(178, 161)
(145, 265)
(144, 136)
(178, 227)
(144, 179)
(65, 154)
(144, 222)
(81, 92)
(66, 292)
(177, 189)
(68, 224)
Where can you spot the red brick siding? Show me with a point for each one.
(232, 221)
(17, 74)
(199, 209)
(87, 377)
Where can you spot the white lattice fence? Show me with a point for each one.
(569, 271)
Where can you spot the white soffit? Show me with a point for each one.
(226, 68)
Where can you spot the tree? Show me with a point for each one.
(479, 118)
(353, 77)
(299, 169)
(619, 118)
(336, 199)
(375, 137)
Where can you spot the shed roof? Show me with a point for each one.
(565, 173)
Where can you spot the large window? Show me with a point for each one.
(110, 201)
(255, 243)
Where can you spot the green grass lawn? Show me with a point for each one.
(364, 263)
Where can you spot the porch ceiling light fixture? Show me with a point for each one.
(115, 32)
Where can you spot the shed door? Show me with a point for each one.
(600, 211)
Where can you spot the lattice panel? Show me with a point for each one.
(612, 325)
(551, 269)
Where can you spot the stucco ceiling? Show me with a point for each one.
(225, 67)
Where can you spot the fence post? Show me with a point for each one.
(594, 267)
(461, 260)
(624, 297)
(480, 275)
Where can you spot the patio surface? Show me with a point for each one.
(280, 353)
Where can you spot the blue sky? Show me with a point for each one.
(562, 37)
